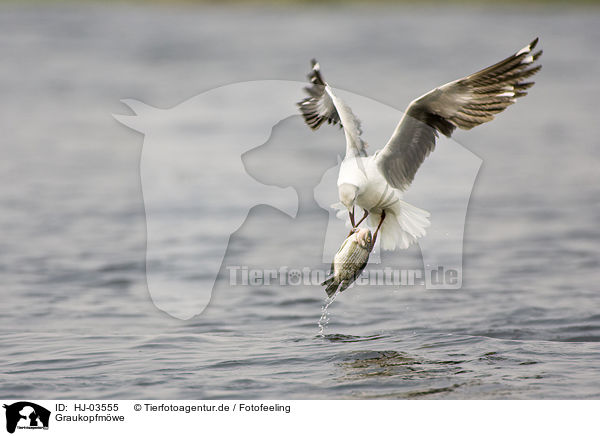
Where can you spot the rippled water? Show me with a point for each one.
(77, 320)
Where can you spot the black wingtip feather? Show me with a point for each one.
(315, 76)
(533, 43)
(318, 107)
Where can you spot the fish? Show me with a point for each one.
(350, 260)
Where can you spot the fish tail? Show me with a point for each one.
(332, 286)
(345, 285)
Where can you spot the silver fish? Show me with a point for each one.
(350, 260)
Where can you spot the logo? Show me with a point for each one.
(26, 415)
(227, 185)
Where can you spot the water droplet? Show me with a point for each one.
(325, 314)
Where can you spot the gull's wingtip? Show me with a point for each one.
(314, 76)
(533, 43)
(528, 47)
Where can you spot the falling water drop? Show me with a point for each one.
(325, 314)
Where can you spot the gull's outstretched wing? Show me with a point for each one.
(323, 105)
(463, 103)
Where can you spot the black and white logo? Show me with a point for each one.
(26, 415)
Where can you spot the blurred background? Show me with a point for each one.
(76, 318)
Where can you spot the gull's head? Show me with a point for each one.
(347, 193)
(363, 237)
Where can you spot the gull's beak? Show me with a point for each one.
(347, 194)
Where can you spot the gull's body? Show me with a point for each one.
(375, 183)
(404, 223)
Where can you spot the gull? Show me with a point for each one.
(376, 183)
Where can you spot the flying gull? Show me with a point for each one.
(375, 183)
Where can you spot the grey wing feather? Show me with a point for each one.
(323, 105)
(463, 103)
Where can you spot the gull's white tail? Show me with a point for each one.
(402, 226)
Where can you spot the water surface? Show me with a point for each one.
(77, 320)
